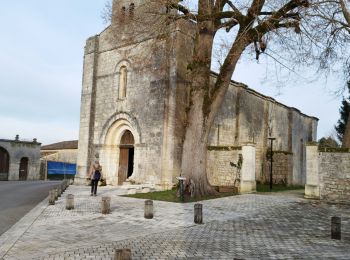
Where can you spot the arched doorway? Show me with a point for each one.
(126, 157)
(4, 164)
(23, 169)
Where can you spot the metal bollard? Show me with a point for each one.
(70, 202)
(106, 205)
(198, 213)
(52, 197)
(148, 209)
(336, 228)
(122, 254)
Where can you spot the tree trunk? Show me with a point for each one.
(194, 155)
(346, 137)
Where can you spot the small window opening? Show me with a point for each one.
(123, 81)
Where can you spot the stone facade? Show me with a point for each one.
(134, 87)
(248, 116)
(328, 175)
(19, 160)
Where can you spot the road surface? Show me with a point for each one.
(17, 198)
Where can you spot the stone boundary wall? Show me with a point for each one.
(221, 173)
(282, 168)
(219, 170)
(328, 175)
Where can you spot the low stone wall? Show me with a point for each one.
(335, 176)
(219, 170)
(227, 164)
(328, 175)
(282, 168)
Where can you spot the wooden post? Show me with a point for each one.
(106, 205)
(70, 202)
(122, 254)
(198, 213)
(149, 209)
(52, 197)
(336, 228)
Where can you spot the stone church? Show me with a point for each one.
(134, 101)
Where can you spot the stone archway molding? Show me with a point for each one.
(110, 139)
(116, 125)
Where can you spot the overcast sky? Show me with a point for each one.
(41, 61)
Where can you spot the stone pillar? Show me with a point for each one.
(59, 190)
(70, 202)
(148, 209)
(106, 205)
(312, 187)
(52, 197)
(56, 193)
(248, 181)
(122, 254)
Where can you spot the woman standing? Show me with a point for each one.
(95, 176)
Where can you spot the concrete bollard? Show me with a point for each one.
(52, 197)
(70, 202)
(198, 213)
(336, 228)
(122, 254)
(106, 205)
(149, 209)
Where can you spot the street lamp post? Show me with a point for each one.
(271, 160)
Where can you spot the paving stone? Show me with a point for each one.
(255, 226)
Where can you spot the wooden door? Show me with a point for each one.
(123, 165)
(23, 169)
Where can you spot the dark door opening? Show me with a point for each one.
(126, 157)
(23, 169)
(4, 164)
(131, 162)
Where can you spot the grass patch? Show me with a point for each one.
(277, 187)
(170, 196)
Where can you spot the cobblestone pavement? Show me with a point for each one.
(255, 226)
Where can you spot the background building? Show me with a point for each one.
(19, 160)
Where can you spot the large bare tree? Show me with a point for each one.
(346, 25)
(303, 29)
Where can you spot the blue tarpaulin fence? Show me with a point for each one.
(61, 168)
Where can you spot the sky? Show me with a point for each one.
(41, 60)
